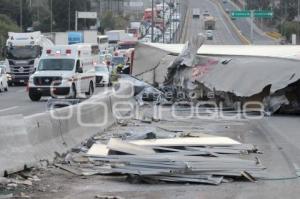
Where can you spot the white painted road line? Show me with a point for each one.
(22, 90)
(8, 109)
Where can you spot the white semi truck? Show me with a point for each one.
(23, 51)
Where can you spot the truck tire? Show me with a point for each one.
(74, 92)
(35, 96)
(91, 89)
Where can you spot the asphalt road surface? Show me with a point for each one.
(223, 34)
(16, 101)
(244, 25)
(273, 136)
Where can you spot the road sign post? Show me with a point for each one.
(247, 14)
(241, 14)
(252, 14)
(84, 15)
(263, 14)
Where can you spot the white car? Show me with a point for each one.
(102, 75)
(209, 35)
(3, 80)
(206, 14)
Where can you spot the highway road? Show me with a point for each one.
(244, 25)
(16, 101)
(224, 33)
(280, 156)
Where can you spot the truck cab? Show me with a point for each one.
(23, 51)
(64, 72)
(196, 13)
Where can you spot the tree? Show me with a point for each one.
(258, 4)
(11, 8)
(113, 22)
(61, 14)
(107, 22)
(6, 25)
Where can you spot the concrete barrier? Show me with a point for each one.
(15, 148)
(27, 141)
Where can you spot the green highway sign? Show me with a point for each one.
(241, 14)
(263, 14)
(247, 14)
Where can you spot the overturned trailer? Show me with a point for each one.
(228, 74)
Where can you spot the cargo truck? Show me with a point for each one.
(209, 23)
(114, 36)
(196, 13)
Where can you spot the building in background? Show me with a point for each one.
(132, 8)
(135, 8)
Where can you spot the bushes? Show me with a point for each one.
(288, 28)
(110, 21)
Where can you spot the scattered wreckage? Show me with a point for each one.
(142, 151)
(181, 158)
(268, 76)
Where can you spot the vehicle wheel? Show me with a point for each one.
(6, 89)
(74, 92)
(91, 89)
(109, 83)
(35, 96)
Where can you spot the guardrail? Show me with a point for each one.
(274, 35)
(26, 141)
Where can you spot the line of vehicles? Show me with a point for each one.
(73, 64)
(167, 18)
(209, 22)
(65, 65)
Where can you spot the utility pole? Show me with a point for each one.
(298, 11)
(298, 35)
(51, 16)
(21, 15)
(76, 20)
(285, 17)
(38, 11)
(69, 17)
(171, 26)
(163, 21)
(152, 23)
(252, 26)
(179, 23)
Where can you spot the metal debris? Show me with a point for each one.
(202, 160)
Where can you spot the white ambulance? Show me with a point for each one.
(64, 72)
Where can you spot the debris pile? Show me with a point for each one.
(201, 158)
(217, 73)
(18, 185)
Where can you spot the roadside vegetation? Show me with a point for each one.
(6, 25)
